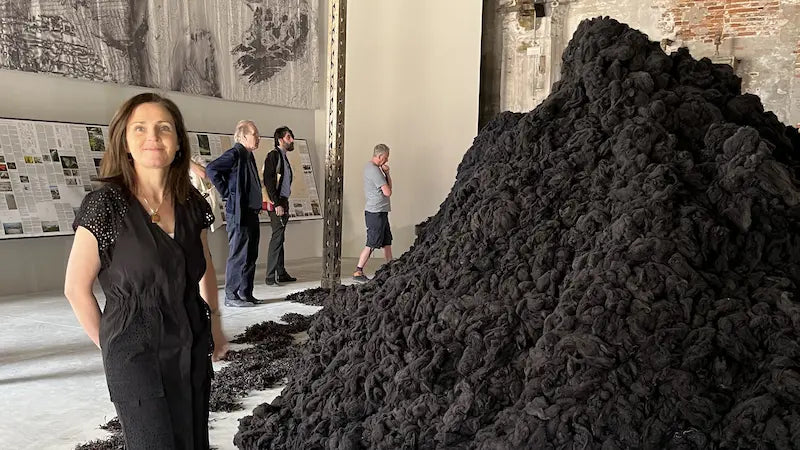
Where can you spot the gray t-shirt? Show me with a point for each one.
(373, 180)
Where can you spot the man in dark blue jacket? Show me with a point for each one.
(235, 176)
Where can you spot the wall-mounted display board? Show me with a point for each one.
(304, 201)
(46, 168)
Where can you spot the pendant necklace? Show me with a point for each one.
(154, 217)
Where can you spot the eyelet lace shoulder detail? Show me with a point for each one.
(102, 213)
(202, 211)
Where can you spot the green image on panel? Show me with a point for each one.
(96, 142)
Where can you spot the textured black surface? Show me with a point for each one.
(314, 297)
(114, 442)
(615, 269)
(258, 367)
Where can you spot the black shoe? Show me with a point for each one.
(286, 278)
(271, 282)
(238, 303)
(253, 300)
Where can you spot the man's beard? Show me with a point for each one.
(290, 147)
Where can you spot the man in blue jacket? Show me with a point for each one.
(235, 176)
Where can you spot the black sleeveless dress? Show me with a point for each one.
(155, 330)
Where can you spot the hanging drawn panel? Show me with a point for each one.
(259, 51)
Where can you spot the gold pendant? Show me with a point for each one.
(155, 218)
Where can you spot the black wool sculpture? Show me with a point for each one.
(616, 269)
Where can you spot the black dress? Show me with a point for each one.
(155, 330)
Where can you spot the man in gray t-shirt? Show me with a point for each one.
(377, 190)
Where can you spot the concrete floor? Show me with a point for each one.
(52, 388)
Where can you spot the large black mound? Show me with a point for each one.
(616, 269)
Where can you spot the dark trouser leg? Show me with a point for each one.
(201, 393)
(249, 271)
(275, 266)
(147, 424)
(237, 257)
(280, 268)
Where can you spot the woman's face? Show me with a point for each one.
(151, 136)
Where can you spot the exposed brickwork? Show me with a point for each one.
(797, 60)
(704, 20)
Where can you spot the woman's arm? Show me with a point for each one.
(209, 292)
(198, 170)
(82, 269)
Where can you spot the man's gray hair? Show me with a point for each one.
(242, 128)
(380, 149)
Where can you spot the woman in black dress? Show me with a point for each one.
(143, 234)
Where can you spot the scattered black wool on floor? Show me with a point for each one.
(293, 323)
(114, 442)
(314, 297)
(616, 269)
(254, 368)
(259, 367)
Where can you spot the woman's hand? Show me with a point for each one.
(220, 341)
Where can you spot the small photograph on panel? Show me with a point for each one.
(12, 227)
(72, 181)
(54, 154)
(12, 166)
(97, 161)
(24, 179)
(202, 141)
(3, 167)
(37, 159)
(5, 186)
(69, 162)
(2, 159)
(50, 226)
(46, 158)
(4, 176)
(54, 193)
(29, 160)
(67, 172)
(11, 201)
(315, 208)
(96, 141)
(87, 188)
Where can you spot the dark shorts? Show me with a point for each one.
(379, 234)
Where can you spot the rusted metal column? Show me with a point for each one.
(334, 157)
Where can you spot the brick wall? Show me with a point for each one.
(704, 20)
(763, 35)
(797, 60)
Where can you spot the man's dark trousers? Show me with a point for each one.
(242, 254)
(275, 267)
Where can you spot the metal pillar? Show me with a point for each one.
(334, 157)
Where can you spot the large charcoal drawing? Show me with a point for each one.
(272, 41)
(261, 52)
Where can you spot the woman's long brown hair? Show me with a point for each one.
(117, 165)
